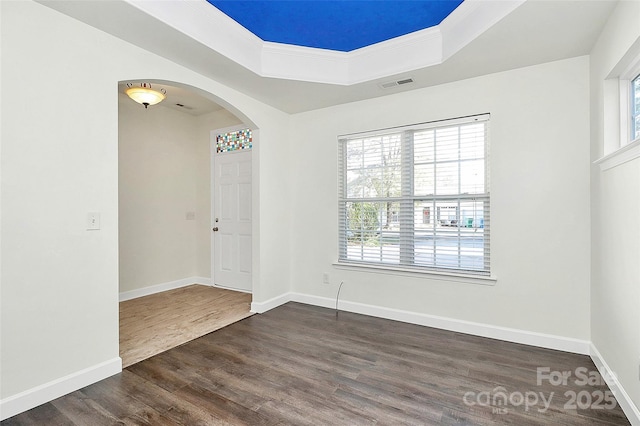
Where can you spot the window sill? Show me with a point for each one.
(409, 272)
(629, 152)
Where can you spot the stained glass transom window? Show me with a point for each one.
(234, 141)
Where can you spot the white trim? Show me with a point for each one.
(548, 341)
(396, 56)
(629, 152)
(467, 23)
(531, 338)
(39, 395)
(317, 65)
(624, 87)
(239, 290)
(159, 288)
(408, 272)
(202, 281)
(618, 146)
(623, 398)
(445, 122)
(218, 32)
(262, 307)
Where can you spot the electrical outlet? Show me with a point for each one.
(325, 278)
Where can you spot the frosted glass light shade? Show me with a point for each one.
(145, 95)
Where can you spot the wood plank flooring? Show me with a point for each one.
(304, 365)
(152, 324)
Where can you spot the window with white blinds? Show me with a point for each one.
(635, 108)
(417, 197)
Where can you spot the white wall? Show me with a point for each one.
(59, 281)
(615, 259)
(539, 133)
(158, 150)
(59, 161)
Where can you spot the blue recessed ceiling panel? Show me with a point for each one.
(335, 25)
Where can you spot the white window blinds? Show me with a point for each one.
(635, 108)
(417, 197)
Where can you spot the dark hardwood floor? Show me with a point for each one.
(303, 365)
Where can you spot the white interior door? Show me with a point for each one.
(231, 221)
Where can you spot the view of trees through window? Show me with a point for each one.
(417, 198)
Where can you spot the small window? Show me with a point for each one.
(234, 141)
(621, 124)
(635, 108)
(417, 197)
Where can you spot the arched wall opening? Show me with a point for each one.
(165, 188)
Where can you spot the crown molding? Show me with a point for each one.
(208, 26)
(470, 20)
(410, 52)
(316, 65)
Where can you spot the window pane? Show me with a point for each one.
(447, 144)
(453, 238)
(426, 207)
(423, 144)
(423, 179)
(234, 141)
(355, 184)
(425, 224)
(354, 154)
(472, 177)
(635, 105)
(373, 232)
(447, 178)
(473, 246)
(374, 167)
(391, 172)
(372, 152)
(472, 141)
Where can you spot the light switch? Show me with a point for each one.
(93, 220)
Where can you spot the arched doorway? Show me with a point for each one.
(165, 226)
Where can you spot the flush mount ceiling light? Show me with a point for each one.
(143, 94)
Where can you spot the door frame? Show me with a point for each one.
(254, 203)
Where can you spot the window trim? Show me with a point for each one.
(626, 105)
(485, 277)
(417, 273)
(618, 85)
(620, 156)
(631, 105)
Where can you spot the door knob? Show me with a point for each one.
(215, 229)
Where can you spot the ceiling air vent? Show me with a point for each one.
(390, 84)
(184, 106)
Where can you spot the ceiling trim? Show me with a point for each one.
(432, 46)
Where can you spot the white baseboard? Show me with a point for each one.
(231, 288)
(159, 288)
(202, 280)
(623, 398)
(548, 341)
(262, 307)
(39, 395)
